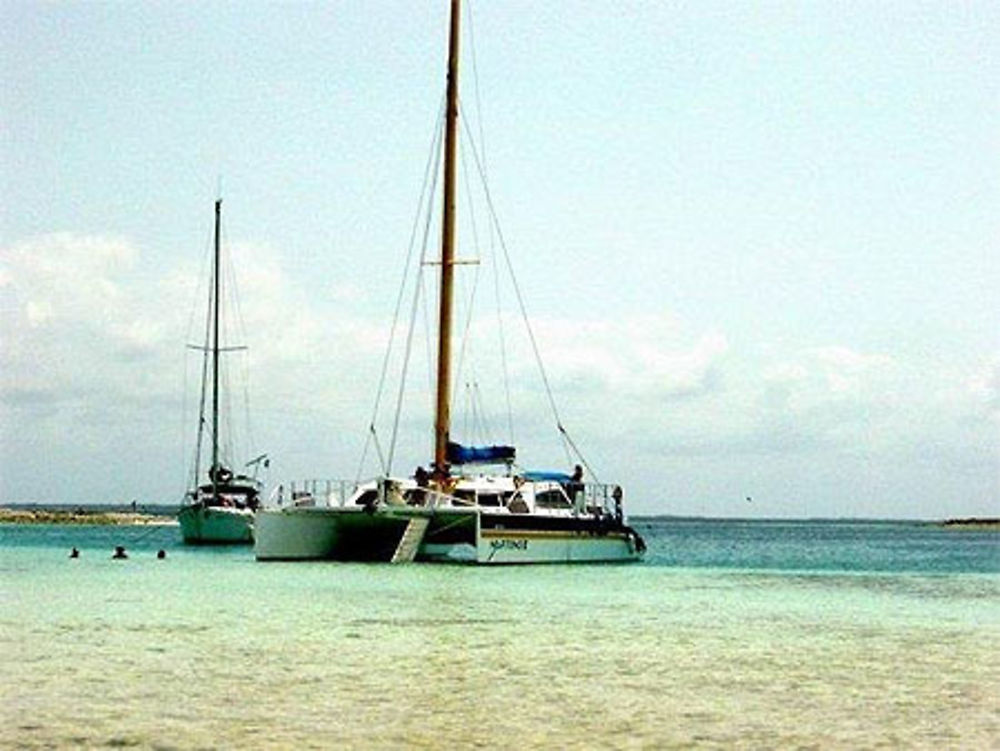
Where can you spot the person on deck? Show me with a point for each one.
(575, 487)
(617, 495)
(422, 477)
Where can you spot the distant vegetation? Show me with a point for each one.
(79, 516)
(973, 522)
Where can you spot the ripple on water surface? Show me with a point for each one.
(211, 649)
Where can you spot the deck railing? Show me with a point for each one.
(589, 497)
(602, 498)
(312, 492)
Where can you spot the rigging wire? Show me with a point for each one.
(481, 430)
(226, 442)
(475, 79)
(579, 454)
(408, 348)
(193, 463)
(474, 395)
(417, 297)
(431, 163)
(503, 343)
(480, 119)
(520, 298)
(378, 450)
(239, 323)
(470, 304)
(204, 389)
(517, 288)
(477, 392)
(184, 407)
(496, 286)
(226, 428)
(466, 410)
(428, 344)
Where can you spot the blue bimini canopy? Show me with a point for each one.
(541, 475)
(459, 454)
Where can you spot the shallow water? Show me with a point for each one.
(730, 635)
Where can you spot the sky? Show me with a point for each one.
(757, 242)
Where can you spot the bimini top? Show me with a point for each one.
(459, 454)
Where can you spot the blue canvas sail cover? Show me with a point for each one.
(459, 454)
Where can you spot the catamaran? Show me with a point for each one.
(221, 510)
(475, 504)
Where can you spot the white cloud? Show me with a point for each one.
(647, 355)
(72, 311)
(63, 275)
(846, 369)
(93, 349)
(93, 357)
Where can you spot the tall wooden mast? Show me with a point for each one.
(217, 285)
(443, 414)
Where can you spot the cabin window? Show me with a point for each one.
(552, 499)
(489, 499)
(517, 505)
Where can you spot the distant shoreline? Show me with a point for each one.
(122, 514)
(82, 516)
(972, 523)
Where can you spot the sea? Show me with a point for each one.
(731, 634)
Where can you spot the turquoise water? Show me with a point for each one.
(731, 635)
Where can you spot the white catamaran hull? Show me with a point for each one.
(216, 525)
(295, 534)
(532, 546)
(356, 534)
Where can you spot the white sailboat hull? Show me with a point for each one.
(216, 525)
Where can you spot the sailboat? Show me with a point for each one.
(475, 504)
(218, 511)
